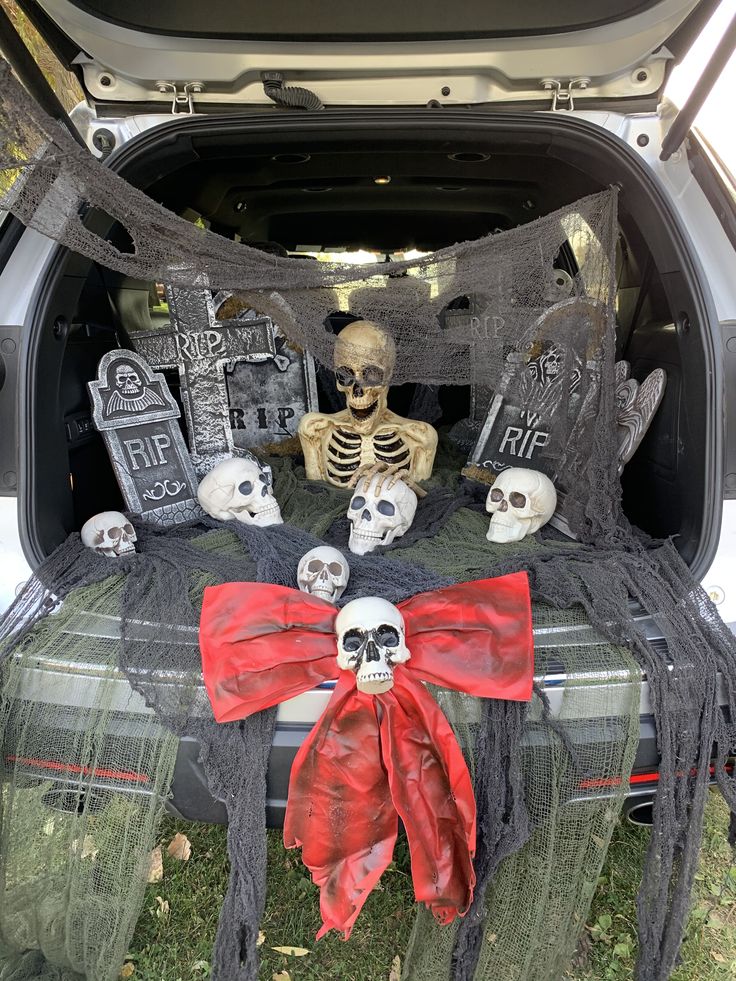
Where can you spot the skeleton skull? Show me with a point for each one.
(520, 502)
(109, 533)
(128, 380)
(364, 360)
(323, 572)
(370, 641)
(379, 511)
(240, 488)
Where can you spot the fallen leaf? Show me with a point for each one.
(163, 906)
(127, 970)
(281, 976)
(292, 951)
(89, 849)
(718, 957)
(395, 973)
(180, 848)
(203, 966)
(261, 938)
(156, 866)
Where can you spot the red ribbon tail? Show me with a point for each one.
(433, 793)
(339, 808)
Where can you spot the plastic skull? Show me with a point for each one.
(520, 502)
(379, 511)
(128, 380)
(364, 360)
(109, 533)
(240, 488)
(323, 572)
(370, 641)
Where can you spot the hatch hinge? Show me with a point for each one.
(182, 102)
(562, 97)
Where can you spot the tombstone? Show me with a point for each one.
(551, 436)
(136, 414)
(206, 352)
(284, 395)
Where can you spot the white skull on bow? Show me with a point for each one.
(370, 641)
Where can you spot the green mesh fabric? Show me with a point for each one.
(540, 896)
(81, 797)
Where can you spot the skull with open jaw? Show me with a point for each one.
(370, 641)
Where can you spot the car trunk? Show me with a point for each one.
(310, 180)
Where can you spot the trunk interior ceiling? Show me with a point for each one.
(319, 190)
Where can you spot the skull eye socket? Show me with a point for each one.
(496, 494)
(352, 641)
(357, 503)
(387, 636)
(372, 375)
(345, 376)
(128, 529)
(246, 487)
(314, 566)
(386, 507)
(517, 500)
(335, 568)
(114, 532)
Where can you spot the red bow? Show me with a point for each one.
(373, 758)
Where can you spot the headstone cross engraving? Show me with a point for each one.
(201, 348)
(136, 414)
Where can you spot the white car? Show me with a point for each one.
(440, 124)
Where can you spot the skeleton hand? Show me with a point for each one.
(389, 475)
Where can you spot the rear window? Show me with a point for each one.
(378, 20)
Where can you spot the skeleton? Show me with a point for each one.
(366, 432)
(109, 533)
(381, 509)
(370, 641)
(130, 393)
(323, 572)
(520, 502)
(240, 488)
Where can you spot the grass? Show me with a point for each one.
(174, 943)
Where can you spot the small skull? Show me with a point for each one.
(364, 360)
(379, 511)
(323, 572)
(520, 502)
(128, 380)
(109, 533)
(370, 641)
(240, 488)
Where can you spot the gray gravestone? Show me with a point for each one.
(266, 405)
(542, 415)
(136, 414)
(204, 350)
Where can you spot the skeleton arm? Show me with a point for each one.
(313, 429)
(423, 440)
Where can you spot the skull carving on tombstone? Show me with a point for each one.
(109, 533)
(370, 641)
(240, 489)
(323, 572)
(380, 510)
(520, 502)
(128, 380)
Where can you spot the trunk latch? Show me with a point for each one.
(182, 103)
(562, 97)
